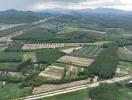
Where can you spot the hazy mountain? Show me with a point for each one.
(14, 16)
(87, 11)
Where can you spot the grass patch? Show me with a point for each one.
(11, 56)
(78, 95)
(9, 66)
(12, 91)
(48, 55)
(125, 65)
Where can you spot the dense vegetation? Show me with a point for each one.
(11, 56)
(9, 66)
(106, 63)
(48, 55)
(72, 35)
(16, 46)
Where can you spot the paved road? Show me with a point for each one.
(72, 89)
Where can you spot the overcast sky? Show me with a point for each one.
(37, 5)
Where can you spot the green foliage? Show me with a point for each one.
(36, 34)
(48, 55)
(14, 79)
(23, 65)
(104, 92)
(9, 66)
(11, 56)
(65, 35)
(16, 46)
(106, 63)
(12, 91)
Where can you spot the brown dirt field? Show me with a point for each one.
(84, 62)
(48, 87)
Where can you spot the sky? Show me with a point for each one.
(38, 5)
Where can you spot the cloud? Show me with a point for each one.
(80, 4)
(68, 4)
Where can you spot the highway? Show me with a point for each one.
(72, 89)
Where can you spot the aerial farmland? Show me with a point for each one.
(65, 56)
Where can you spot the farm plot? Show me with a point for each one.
(9, 66)
(72, 71)
(11, 56)
(52, 73)
(48, 55)
(34, 46)
(124, 54)
(84, 62)
(88, 51)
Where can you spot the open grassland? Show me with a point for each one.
(12, 91)
(84, 62)
(88, 51)
(124, 54)
(48, 55)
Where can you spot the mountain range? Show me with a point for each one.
(15, 16)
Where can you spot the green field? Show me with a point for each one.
(48, 55)
(11, 56)
(9, 66)
(12, 91)
(78, 95)
(88, 51)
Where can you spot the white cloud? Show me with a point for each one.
(69, 4)
(119, 4)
